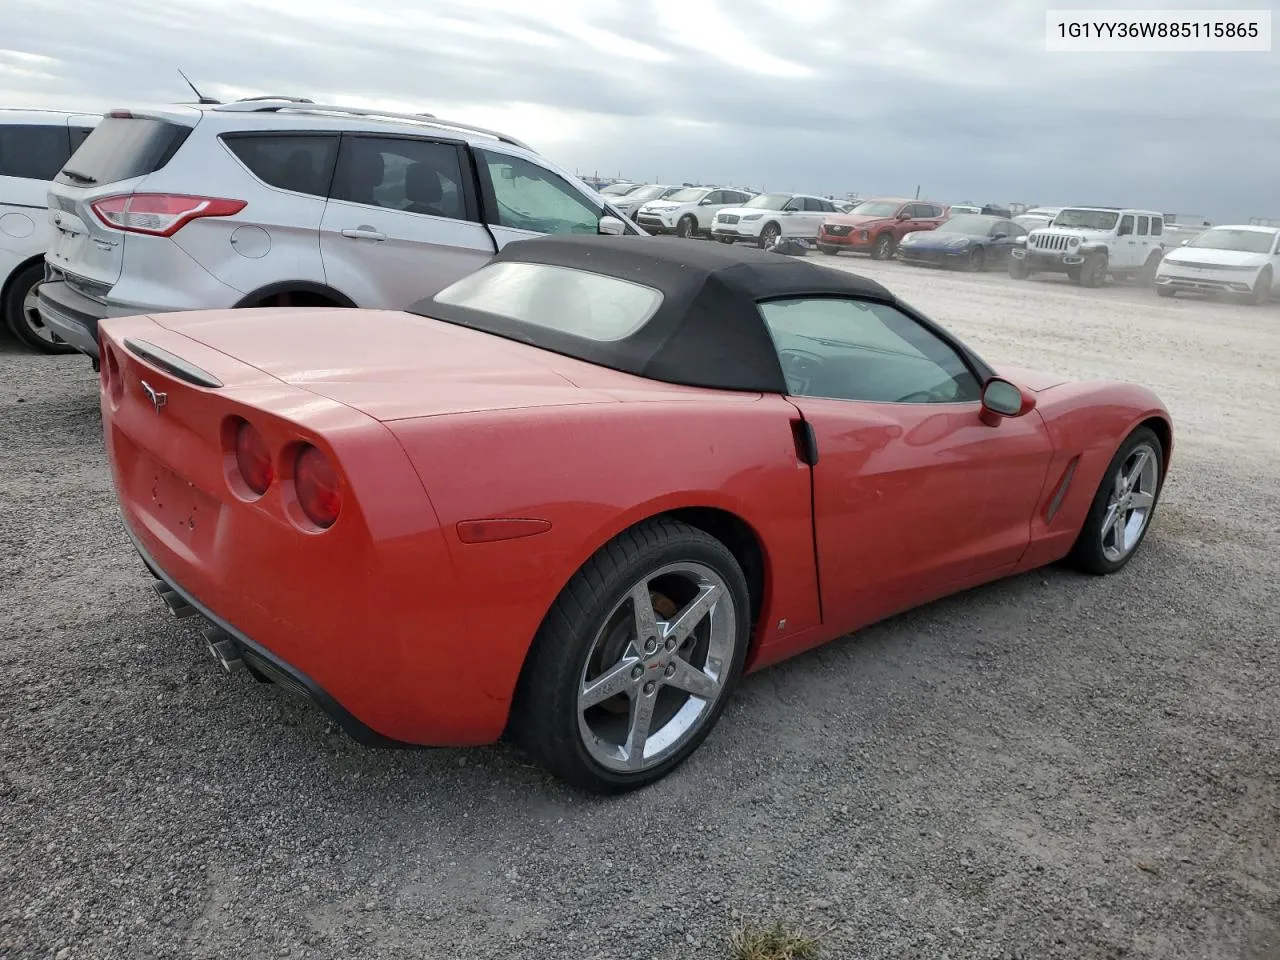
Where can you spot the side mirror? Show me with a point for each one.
(1184, 243)
(704, 202)
(1000, 399)
(904, 215)
(611, 226)
(999, 236)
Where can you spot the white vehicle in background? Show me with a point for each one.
(34, 144)
(689, 212)
(1242, 260)
(631, 202)
(1036, 217)
(618, 189)
(1088, 243)
(765, 218)
(958, 209)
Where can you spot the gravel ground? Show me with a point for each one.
(1052, 766)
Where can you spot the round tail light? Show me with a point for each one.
(316, 483)
(253, 458)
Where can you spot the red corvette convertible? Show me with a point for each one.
(574, 496)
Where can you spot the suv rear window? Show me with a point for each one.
(121, 148)
(33, 151)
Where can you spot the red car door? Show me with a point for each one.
(914, 495)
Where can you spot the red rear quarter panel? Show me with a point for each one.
(355, 607)
(593, 471)
(1087, 422)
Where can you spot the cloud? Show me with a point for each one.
(956, 96)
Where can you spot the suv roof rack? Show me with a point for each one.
(278, 104)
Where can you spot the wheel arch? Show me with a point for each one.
(307, 287)
(1163, 430)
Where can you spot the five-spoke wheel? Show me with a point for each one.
(1122, 507)
(635, 660)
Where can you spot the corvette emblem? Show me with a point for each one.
(157, 399)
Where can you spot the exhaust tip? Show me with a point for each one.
(176, 603)
(223, 648)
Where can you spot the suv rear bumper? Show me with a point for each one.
(72, 316)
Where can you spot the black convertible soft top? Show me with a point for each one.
(707, 332)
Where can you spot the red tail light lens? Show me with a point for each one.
(319, 495)
(160, 214)
(253, 459)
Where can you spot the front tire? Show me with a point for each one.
(1093, 272)
(977, 261)
(829, 250)
(636, 659)
(687, 226)
(1018, 269)
(1262, 289)
(1122, 508)
(1165, 291)
(769, 235)
(22, 314)
(883, 248)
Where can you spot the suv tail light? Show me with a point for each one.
(160, 214)
(253, 458)
(316, 483)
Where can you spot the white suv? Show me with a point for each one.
(34, 144)
(689, 212)
(765, 218)
(274, 202)
(1087, 243)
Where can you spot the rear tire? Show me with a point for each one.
(594, 634)
(23, 317)
(1101, 548)
(1147, 275)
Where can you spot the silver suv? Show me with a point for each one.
(276, 202)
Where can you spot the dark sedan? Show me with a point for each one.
(972, 241)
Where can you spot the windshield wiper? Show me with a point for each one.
(79, 177)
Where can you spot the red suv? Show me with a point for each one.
(878, 226)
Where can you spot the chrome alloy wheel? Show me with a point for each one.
(656, 669)
(1130, 502)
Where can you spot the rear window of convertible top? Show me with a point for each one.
(571, 301)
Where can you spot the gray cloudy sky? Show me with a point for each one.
(875, 96)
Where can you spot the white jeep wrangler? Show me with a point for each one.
(1087, 243)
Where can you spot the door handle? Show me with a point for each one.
(364, 233)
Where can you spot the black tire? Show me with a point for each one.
(884, 247)
(544, 717)
(829, 250)
(729, 240)
(27, 327)
(769, 235)
(977, 261)
(1261, 292)
(1165, 291)
(687, 226)
(1018, 269)
(1093, 272)
(1147, 275)
(1087, 553)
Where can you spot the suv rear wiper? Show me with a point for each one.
(81, 177)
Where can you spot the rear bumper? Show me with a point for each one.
(269, 665)
(73, 317)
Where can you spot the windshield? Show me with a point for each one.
(968, 224)
(876, 208)
(1224, 238)
(618, 189)
(689, 195)
(1087, 219)
(769, 201)
(647, 193)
